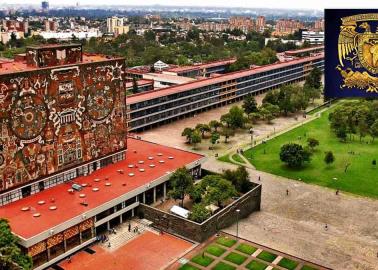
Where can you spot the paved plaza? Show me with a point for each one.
(296, 223)
(148, 251)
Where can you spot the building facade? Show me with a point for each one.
(61, 112)
(154, 108)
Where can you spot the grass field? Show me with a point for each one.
(361, 177)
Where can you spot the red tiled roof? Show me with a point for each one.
(68, 205)
(200, 83)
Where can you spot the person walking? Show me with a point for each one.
(287, 192)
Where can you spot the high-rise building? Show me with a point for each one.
(51, 26)
(260, 23)
(287, 26)
(319, 25)
(243, 23)
(45, 5)
(116, 26)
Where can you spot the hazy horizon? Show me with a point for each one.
(270, 4)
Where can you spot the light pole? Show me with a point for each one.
(237, 222)
(251, 132)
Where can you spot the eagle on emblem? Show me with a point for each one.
(364, 45)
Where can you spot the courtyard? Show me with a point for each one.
(226, 252)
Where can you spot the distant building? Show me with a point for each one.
(242, 23)
(68, 35)
(313, 37)
(51, 26)
(15, 26)
(117, 26)
(45, 5)
(319, 25)
(260, 24)
(287, 26)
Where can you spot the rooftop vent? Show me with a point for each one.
(120, 171)
(36, 215)
(53, 207)
(26, 208)
(77, 187)
(95, 189)
(41, 202)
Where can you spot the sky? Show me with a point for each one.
(291, 4)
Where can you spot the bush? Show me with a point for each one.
(199, 213)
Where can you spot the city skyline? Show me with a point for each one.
(287, 4)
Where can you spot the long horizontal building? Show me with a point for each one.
(154, 108)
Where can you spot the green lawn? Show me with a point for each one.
(188, 267)
(247, 249)
(225, 158)
(235, 258)
(267, 256)
(237, 158)
(360, 178)
(226, 241)
(215, 250)
(255, 265)
(306, 267)
(288, 264)
(223, 266)
(204, 261)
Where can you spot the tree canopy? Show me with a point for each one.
(11, 256)
(181, 182)
(294, 155)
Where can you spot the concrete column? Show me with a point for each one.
(154, 194)
(144, 197)
(48, 254)
(120, 219)
(81, 238)
(108, 225)
(93, 230)
(165, 190)
(65, 245)
(132, 212)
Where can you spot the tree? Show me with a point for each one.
(182, 183)
(329, 158)
(135, 86)
(374, 130)
(199, 213)
(214, 124)
(239, 178)
(214, 138)
(374, 163)
(250, 105)
(235, 117)
(217, 189)
(227, 133)
(314, 79)
(149, 35)
(312, 143)
(11, 256)
(187, 132)
(294, 155)
(203, 128)
(195, 138)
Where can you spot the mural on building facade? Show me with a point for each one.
(53, 119)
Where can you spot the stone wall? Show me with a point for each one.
(199, 232)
